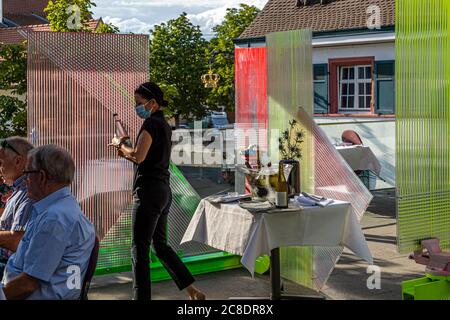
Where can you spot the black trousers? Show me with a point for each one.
(150, 211)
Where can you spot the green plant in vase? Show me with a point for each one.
(291, 153)
(290, 141)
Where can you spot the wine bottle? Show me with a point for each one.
(120, 132)
(281, 200)
(258, 159)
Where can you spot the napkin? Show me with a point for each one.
(309, 200)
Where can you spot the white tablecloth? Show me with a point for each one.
(230, 228)
(360, 158)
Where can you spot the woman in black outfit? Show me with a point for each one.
(152, 195)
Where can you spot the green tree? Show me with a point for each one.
(13, 80)
(13, 117)
(69, 15)
(13, 68)
(74, 15)
(107, 28)
(177, 62)
(221, 53)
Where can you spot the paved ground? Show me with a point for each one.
(348, 280)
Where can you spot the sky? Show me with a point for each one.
(139, 16)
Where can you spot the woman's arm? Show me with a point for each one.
(139, 152)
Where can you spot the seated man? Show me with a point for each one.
(18, 209)
(53, 256)
(5, 193)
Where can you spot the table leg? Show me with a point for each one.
(275, 274)
(275, 281)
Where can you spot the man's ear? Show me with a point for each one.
(42, 177)
(20, 161)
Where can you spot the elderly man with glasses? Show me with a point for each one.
(52, 259)
(18, 208)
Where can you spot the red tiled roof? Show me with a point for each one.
(16, 35)
(333, 15)
(25, 6)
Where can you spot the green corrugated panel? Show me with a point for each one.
(423, 119)
(290, 86)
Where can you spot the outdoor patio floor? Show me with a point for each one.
(348, 280)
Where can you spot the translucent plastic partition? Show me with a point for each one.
(323, 171)
(251, 104)
(76, 82)
(423, 122)
(333, 179)
(251, 87)
(289, 86)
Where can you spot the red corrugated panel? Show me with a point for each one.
(251, 86)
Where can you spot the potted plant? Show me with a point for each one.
(291, 153)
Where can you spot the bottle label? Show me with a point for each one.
(282, 200)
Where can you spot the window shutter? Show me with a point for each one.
(321, 89)
(385, 87)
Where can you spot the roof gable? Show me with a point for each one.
(332, 15)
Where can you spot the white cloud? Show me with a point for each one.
(129, 25)
(208, 19)
(139, 16)
(178, 3)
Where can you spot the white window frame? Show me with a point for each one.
(356, 83)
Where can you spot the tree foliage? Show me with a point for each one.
(177, 62)
(13, 68)
(13, 80)
(64, 17)
(107, 28)
(13, 117)
(221, 53)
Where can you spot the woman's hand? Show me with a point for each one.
(121, 154)
(116, 142)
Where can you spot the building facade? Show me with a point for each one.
(354, 66)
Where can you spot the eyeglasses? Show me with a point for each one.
(27, 172)
(5, 144)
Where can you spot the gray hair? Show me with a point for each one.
(21, 145)
(55, 161)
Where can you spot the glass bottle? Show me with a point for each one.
(281, 200)
(120, 132)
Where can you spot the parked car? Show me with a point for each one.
(219, 120)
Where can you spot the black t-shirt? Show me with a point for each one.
(155, 167)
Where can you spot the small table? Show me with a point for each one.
(230, 228)
(360, 158)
